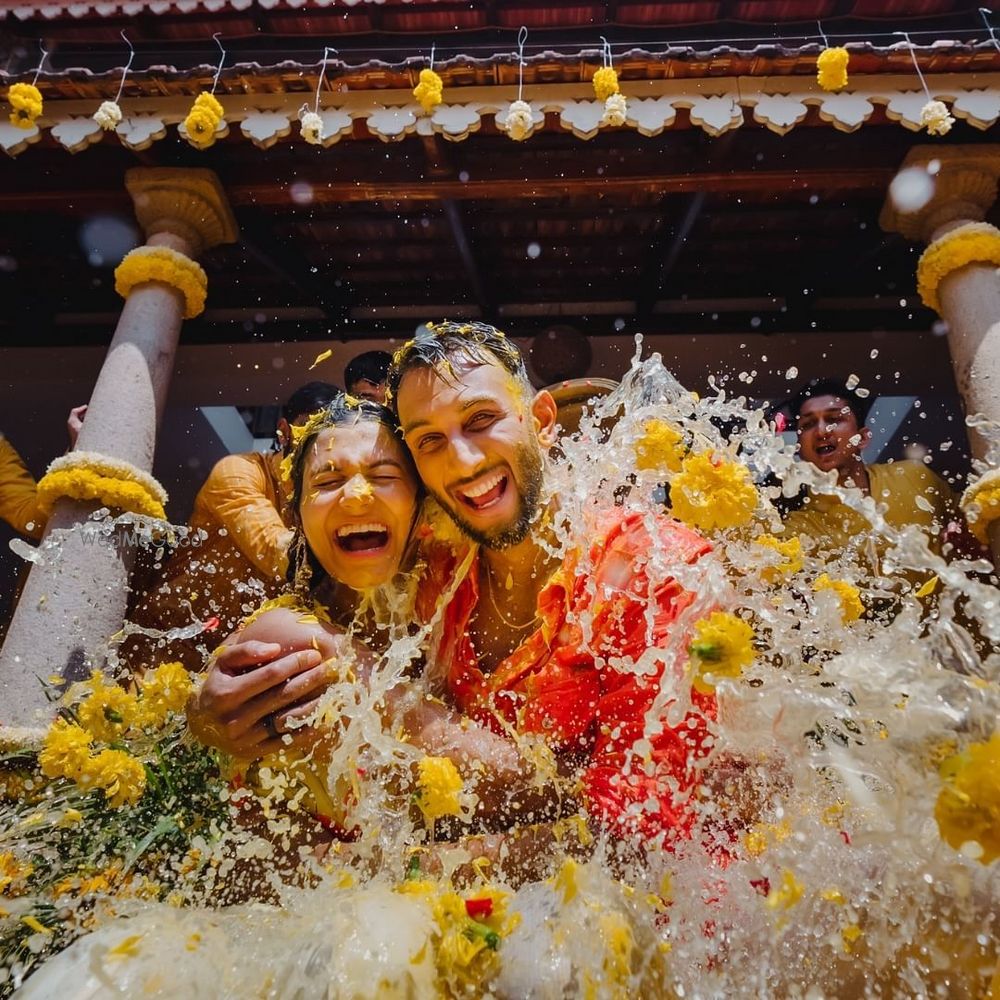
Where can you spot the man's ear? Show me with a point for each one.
(283, 434)
(866, 437)
(544, 414)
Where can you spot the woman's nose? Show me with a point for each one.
(357, 491)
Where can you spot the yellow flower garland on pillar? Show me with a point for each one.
(87, 475)
(972, 243)
(26, 104)
(167, 266)
(981, 504)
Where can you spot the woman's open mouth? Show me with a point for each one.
(486, 493)
(367, 539)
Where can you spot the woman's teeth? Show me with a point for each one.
(358, 529)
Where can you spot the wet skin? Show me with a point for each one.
(829, 438)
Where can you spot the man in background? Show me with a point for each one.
(365, 376)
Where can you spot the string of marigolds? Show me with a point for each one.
(205, 121)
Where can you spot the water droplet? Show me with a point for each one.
(792, 372)
(301, 193)
(534, 250)
(911, 189)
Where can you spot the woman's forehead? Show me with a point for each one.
(358, 443)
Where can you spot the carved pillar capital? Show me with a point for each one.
(181, 204)
(965, 188)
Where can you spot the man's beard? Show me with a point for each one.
(528, 474)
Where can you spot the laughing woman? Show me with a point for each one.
(356, 564)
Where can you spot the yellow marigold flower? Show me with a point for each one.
(619, 944)
(65, 752)
(968, 806)
(661, 447)
(108, 711)
(722, 647)
(438, 788)
(166, 690)
(787, 894)
(605, 82)
(119, 774)
(26, 104)
(208, 102)
(790, 549)
(851, 608)
(200, 127)
(429, 92)
(13, 873)
(710, 493)
(831, 68)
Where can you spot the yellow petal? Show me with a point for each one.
(35, 925)
(127, 947)
(320, 358)
(928, 587)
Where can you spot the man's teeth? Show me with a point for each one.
(484, 487)
(359, 529)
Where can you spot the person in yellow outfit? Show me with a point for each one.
(829, 419)
(236, 554)
(18, 497)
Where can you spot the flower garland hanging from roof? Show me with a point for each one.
(109, 114)
(520, 118)
(26, 100)
(429, 91)
(606, 89)
(206, 114)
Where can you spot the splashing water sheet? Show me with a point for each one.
(828, 854)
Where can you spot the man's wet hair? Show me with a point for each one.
(308, 399)
(439, 345)
(372, 366)
(858, 405)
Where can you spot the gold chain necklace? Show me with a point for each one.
(500, 614)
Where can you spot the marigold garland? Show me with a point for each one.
(167, 266)
(981, 504)
(429, 92)
(972, 243)
(203, 119)
(26, 104)
(605, 82)
(831, 68)
(84, 475)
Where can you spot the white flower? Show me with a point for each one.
(312, 128)
(108, 115)
(519, 120)
(615, 110)
(935, 118)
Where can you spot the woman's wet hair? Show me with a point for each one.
(344, 410)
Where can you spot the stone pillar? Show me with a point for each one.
(75, 596)
(965, 188)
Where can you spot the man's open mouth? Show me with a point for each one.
(826, 449)
(370, 537)
(485, 493)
